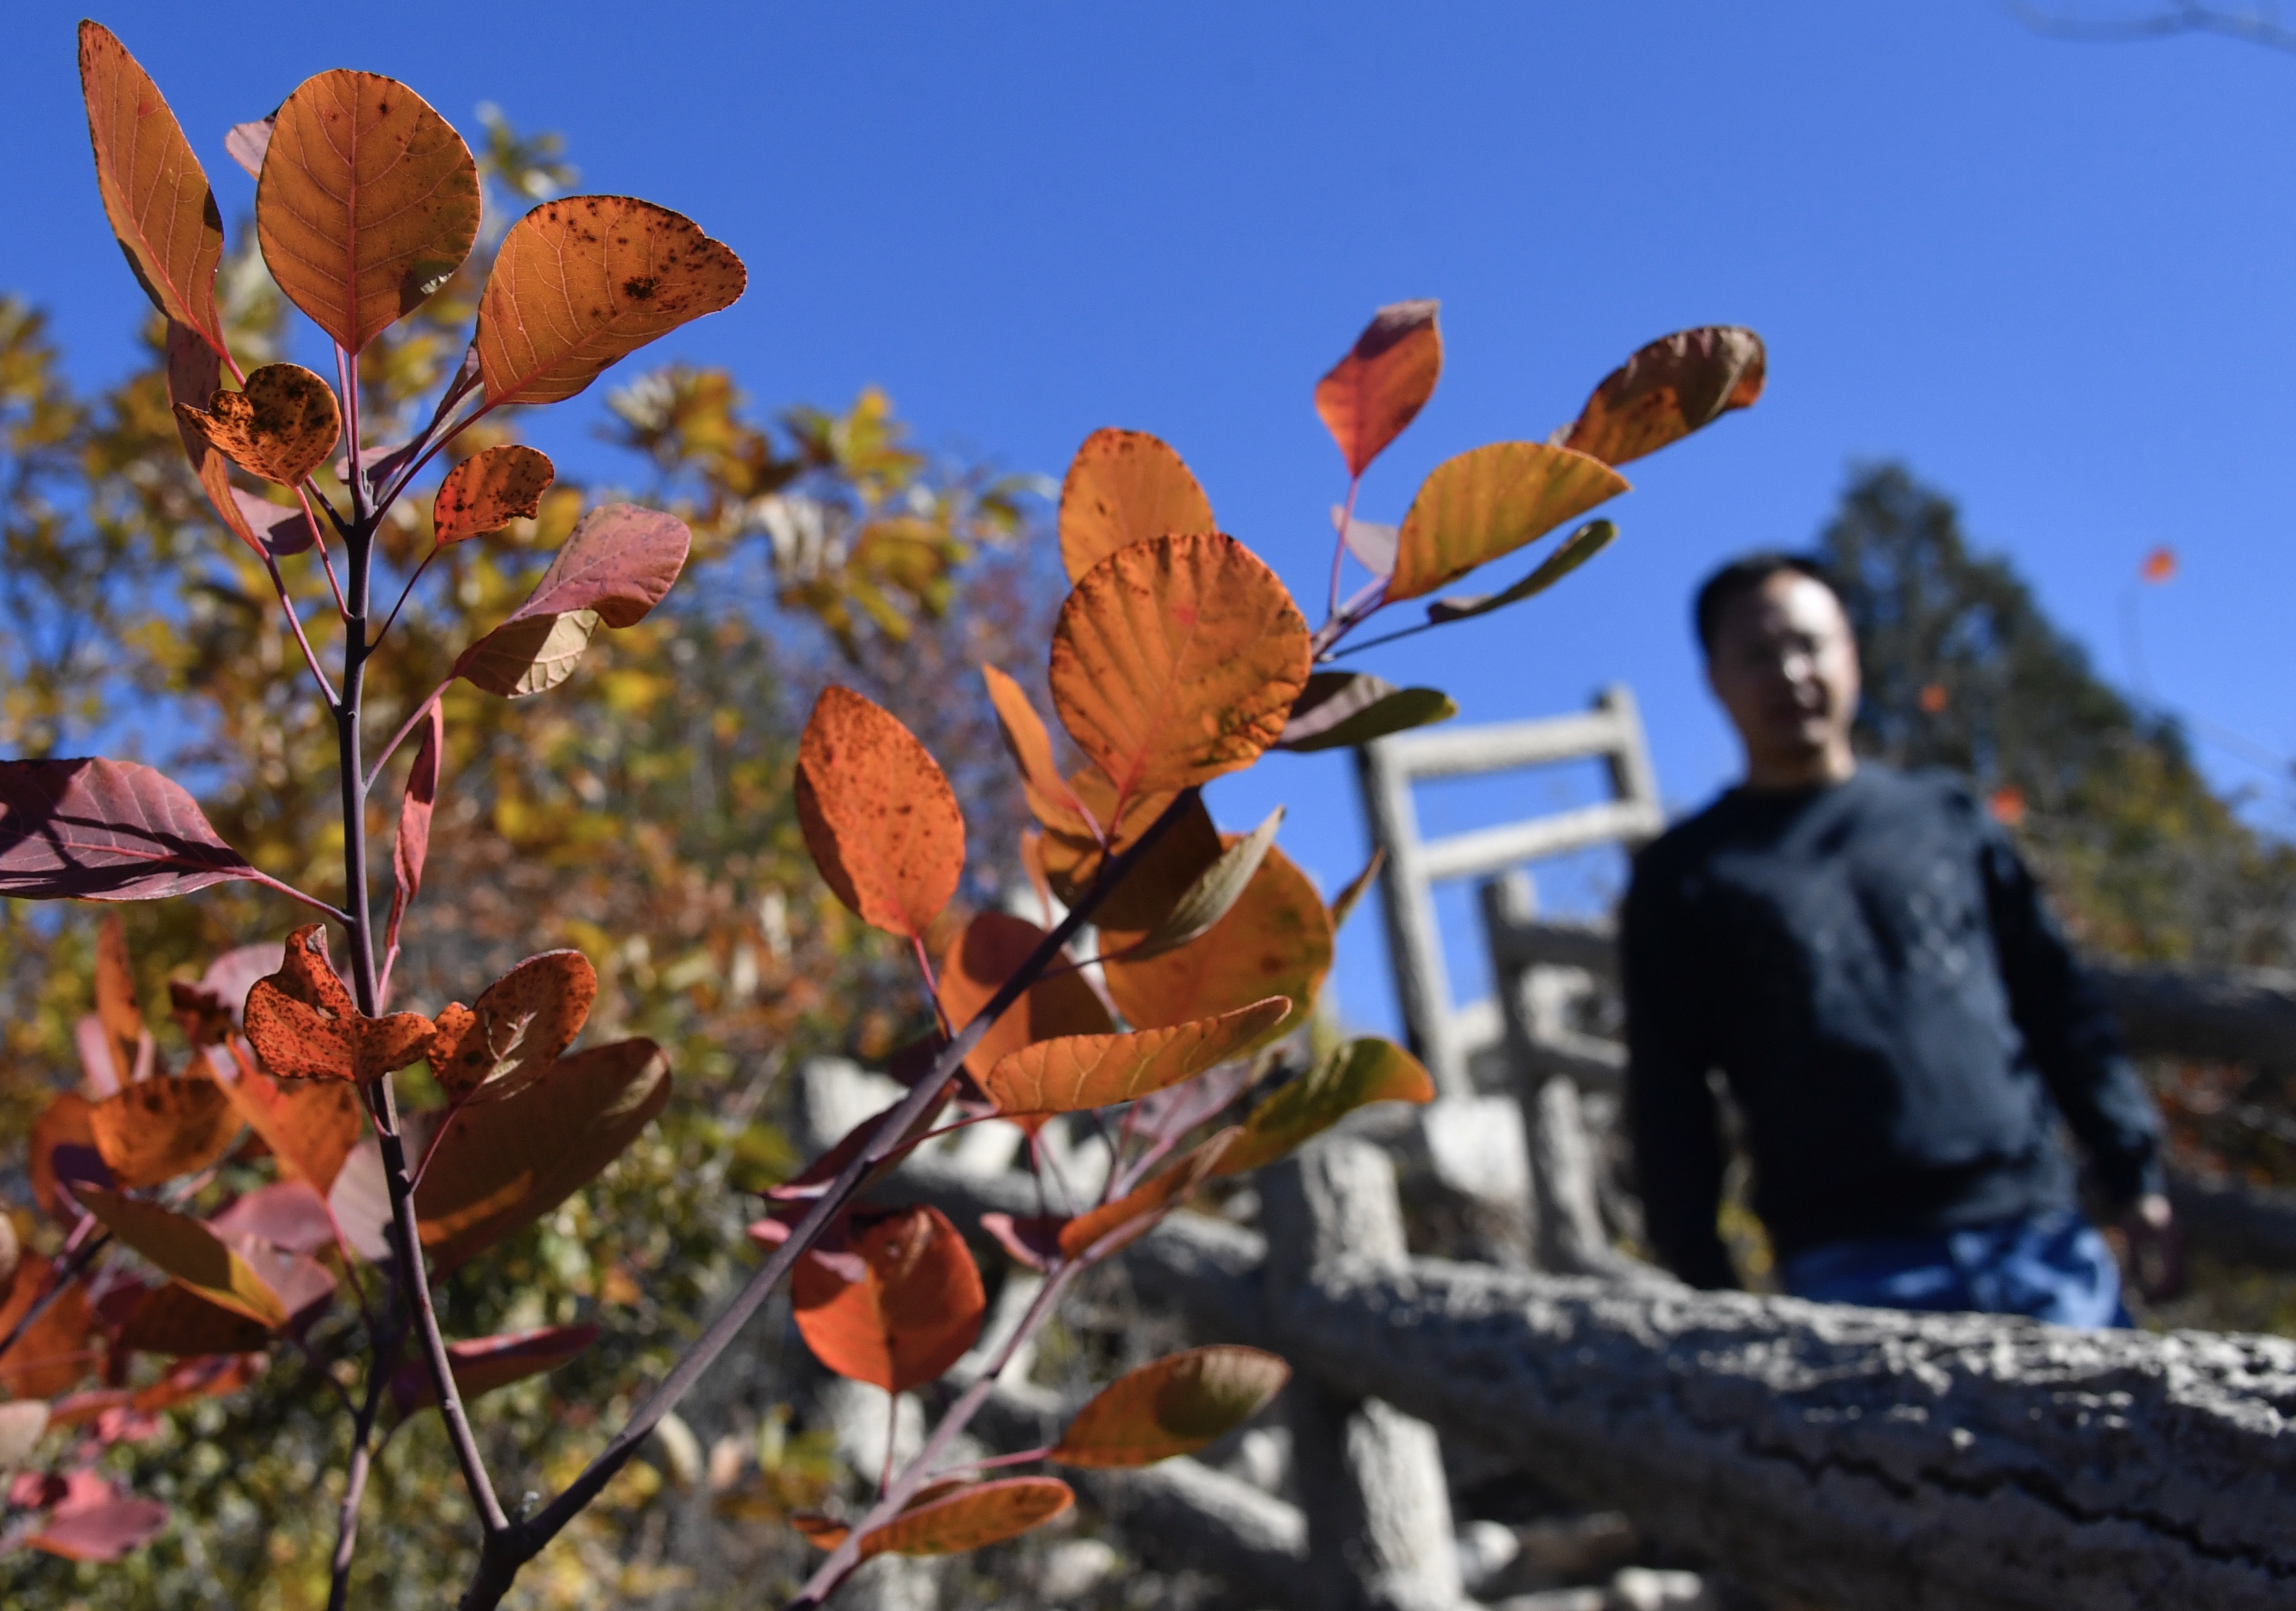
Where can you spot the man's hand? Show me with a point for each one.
(2156, 1247)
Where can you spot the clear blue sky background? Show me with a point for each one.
(2053, 278)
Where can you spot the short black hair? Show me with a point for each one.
(1744, 575)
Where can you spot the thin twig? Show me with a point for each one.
(346, 1516)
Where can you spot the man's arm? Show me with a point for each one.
(2074, 1040)
(1669, 1110)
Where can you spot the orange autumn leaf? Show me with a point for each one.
(582, 280)
(488, 490)
(303, 1024)
(280, 427)
(1490, 501)
(155, 1129)
(988, 952)
(1673, 386)
(310, 1126)
(1934, 698)
(1122, 487)
(878, 814)
(1114, 1225)
(950, 1518)
(63, 1123)
(915, 1308)
(115, 997)
(516, 1028)
(155, 193)
(1176, 1405)
(1382, 383)
(54, 1351)
(1176, 661)
(1030, 744)
(2008, 805)
(1077, 1071)
(2160, 565)
(367, 202)
(1275, 940)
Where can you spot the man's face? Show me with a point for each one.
(1785, 668)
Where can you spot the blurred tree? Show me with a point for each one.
(1964, 670)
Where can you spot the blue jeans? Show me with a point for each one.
(2054, 1267)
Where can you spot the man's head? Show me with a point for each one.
(1781, 658)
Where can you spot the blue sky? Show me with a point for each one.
(2053, 278)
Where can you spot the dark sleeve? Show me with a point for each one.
(2070, 1034)
(1669, 1110)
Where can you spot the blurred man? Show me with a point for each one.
(1864, 957)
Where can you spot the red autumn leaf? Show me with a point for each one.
(616, 565)
(1383, 382)
(211, 1378)
(91, 829)
(914, 1310)
(303, 1024)
(1275, 940)
(1176, 1405)
(581, 280)
(285, 1213)
(878, 814)
(103, 1531)
(482, 1364)
(410, 847)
